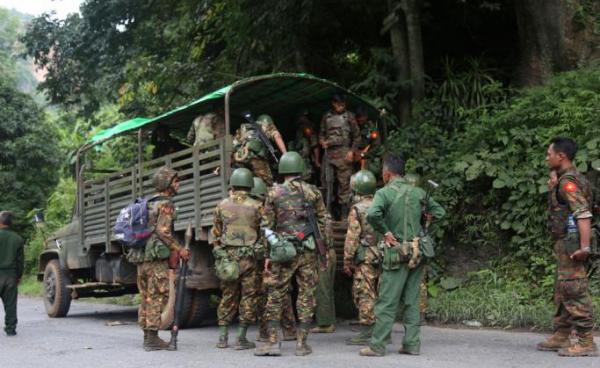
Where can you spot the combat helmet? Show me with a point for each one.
(259, 190)
(291, 163)
(163, 178)
(363, 182)
(241, 177)
(264, 119)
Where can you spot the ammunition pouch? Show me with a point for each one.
(285, 249)
(227, 269)
(406, 252)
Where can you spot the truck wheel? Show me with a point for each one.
(57, 298)
(199, 311)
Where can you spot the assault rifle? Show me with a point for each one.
(261, 135)
(328, 181)
(183, 270)
(426, 221)
(313, 229)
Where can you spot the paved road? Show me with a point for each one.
(86, 340)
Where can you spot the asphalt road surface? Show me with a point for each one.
(99, 335)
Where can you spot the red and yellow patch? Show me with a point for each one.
(570, 187)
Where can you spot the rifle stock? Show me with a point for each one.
(183, 270)
(313, 229)
(261, 135)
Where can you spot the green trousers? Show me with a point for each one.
(324, 294)
(395, 285)
(8, 294)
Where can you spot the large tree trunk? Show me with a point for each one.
(415, 47)
(400, 51)
(554, 36)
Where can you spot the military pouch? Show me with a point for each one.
(156, 250)
(360, 255)
(394, 257)
(227, 269)
(284, 250)
(135, 255)
(427, 246)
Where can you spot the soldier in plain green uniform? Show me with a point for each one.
(11, 271)
(396, 213)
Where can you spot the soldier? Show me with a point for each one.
(292, 252)
(570, 226)
(11, 271)
(396, 213)
(206, 128)
(370, 148)
(306, 144)
(339, 137)
(153, 260)
(236, 239)
(264, 279)
(361, 255)
(249, 150)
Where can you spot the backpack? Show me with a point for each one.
(132, 228)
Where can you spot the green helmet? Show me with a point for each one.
(259, 190)
(291, 163)
(163, 177)
(363, 182)
(264, 118)
(241, 177)
(412, 179)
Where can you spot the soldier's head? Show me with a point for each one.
(259, 190)
(338, 103)
(393, 166)
(6, 219)
(166, 180)
(561, 153)
(264, 119)
(362, 115)
(241, 179)
(291, 164)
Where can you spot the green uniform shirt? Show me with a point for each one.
(388, 209)
(11, 253)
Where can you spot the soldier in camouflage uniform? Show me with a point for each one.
(153, 260)
(306, 144)
(236, 238)
(339, 136)
(264, 279)
(361, 255)
(249, 150)
(570, 218)
(285, 213)
(206, 128)
(370, 148)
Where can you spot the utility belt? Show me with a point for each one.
(409, 252)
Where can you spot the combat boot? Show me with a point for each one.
(289, 334)
(223, 337)
(263, 333)
(145, 338)
(370, 352)
(272, 347)
(242, 342)
(559, 340)
(323, 329)
(302, 348)
(584, 347)
(153, 342)
(363, 337)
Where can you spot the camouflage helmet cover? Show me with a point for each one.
(163, 178)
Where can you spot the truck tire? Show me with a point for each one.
(197, 308)
(57, 298)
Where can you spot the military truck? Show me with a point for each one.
(83, 259)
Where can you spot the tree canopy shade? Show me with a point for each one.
(280, 95)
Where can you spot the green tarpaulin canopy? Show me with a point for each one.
(281, 95)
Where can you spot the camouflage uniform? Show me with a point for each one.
(341, 133)
(571, 196)
(288, 319)
(360, 250)
(305, 144)
(370, 140)
(236, 230)
(250, 152)
(285, 214)
(206, 128)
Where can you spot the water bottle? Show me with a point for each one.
(272, 237)
(571, 225)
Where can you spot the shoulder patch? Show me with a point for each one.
(570, 187)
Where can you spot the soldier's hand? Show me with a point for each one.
(267, 265)
(581, 255)
(348, 269)
(350, 156)
(184, 254)
(389, 239)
